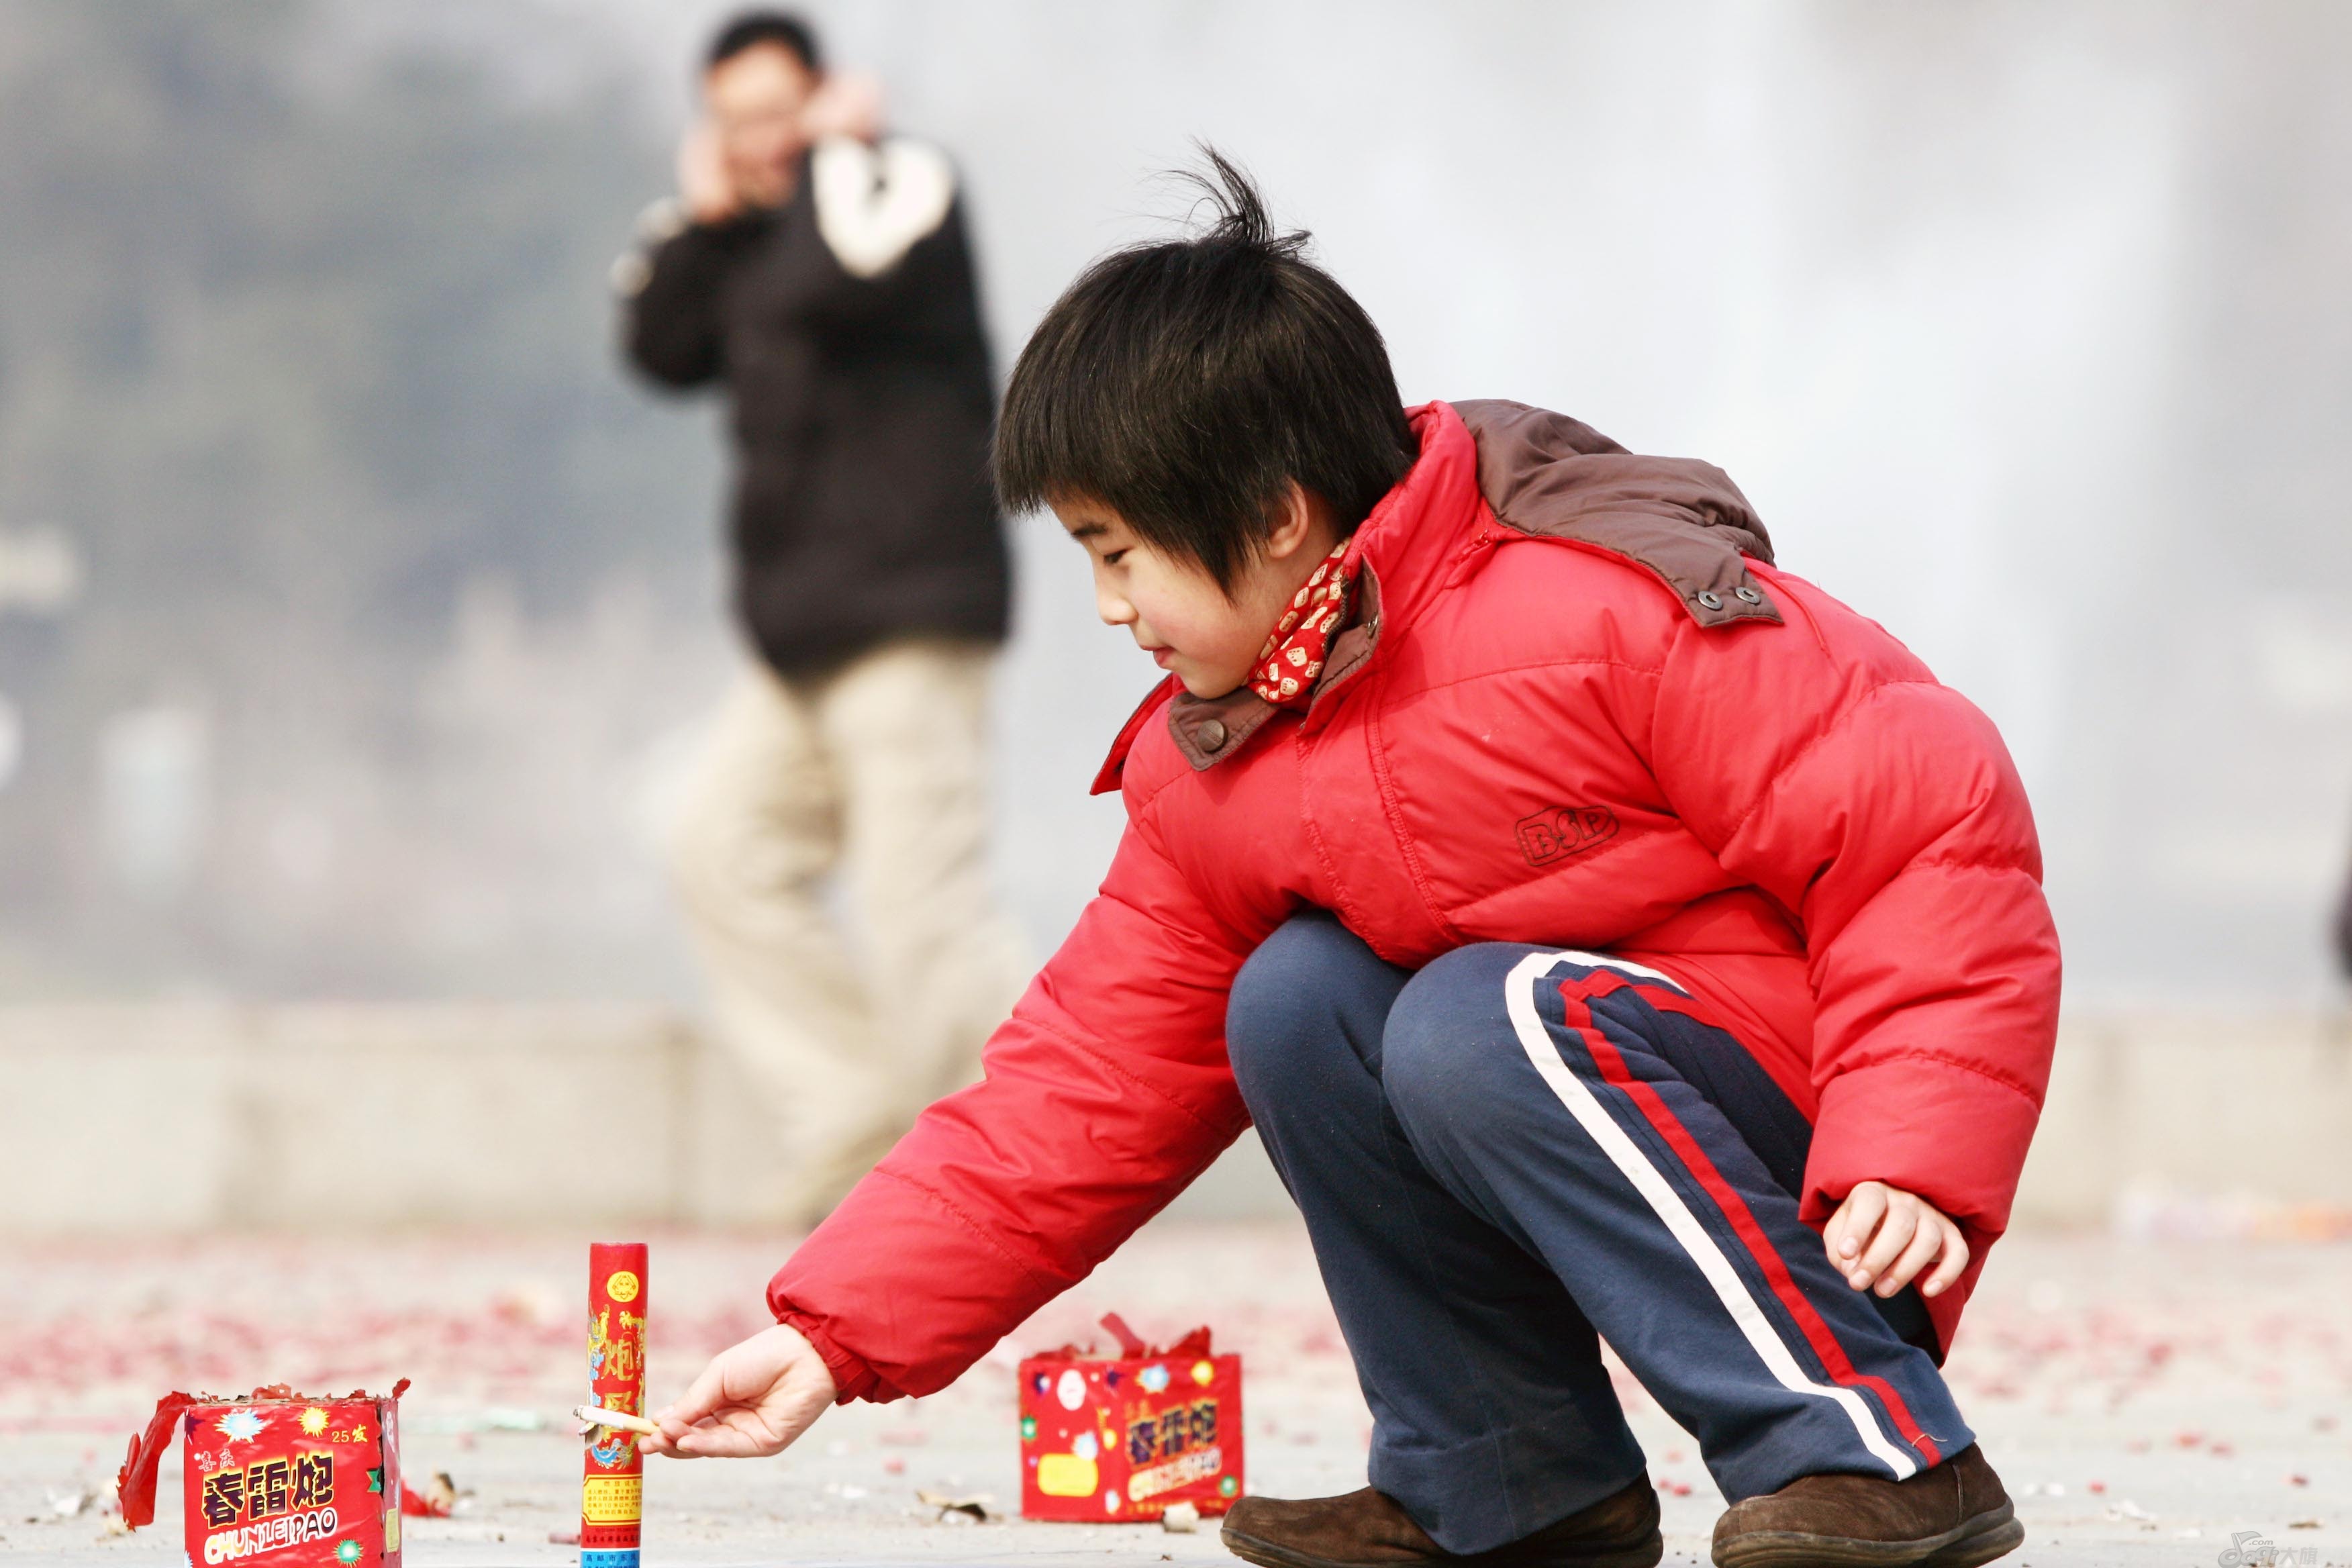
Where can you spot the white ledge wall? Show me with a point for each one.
(144, 1120)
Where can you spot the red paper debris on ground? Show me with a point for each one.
(1123, 1436)
(287, 1480)
(433, 1498)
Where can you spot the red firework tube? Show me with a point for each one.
(611, 1497)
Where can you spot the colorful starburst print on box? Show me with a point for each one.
(278, 1479)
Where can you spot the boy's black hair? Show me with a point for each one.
(1183, 384)
(749, 29)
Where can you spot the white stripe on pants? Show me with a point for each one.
(1535, 1039)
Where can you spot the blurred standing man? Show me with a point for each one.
(820, 271)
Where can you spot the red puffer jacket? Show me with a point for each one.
(1578, 707)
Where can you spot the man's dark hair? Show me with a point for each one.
(1184, 384)
(749, 29)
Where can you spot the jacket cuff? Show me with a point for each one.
(852, 1378)
(1931, 1126)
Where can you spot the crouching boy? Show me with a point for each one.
(1612, 936)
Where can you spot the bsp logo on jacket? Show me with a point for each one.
(1558, 831)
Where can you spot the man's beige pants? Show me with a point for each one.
(879, 772)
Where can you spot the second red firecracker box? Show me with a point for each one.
(1123, 1438)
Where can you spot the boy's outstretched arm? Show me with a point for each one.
(1106, 1092)
(1824, 763)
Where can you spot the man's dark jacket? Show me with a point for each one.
(862, 414)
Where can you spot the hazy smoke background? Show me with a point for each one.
(354, 609)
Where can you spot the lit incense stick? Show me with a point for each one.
(589, 1416)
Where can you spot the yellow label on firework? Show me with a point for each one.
(1065, 1475)
(612, 1499)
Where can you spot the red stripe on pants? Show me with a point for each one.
(1661, 1116)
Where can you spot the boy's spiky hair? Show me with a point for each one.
(1184, 382)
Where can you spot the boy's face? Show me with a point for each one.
(1205, 636)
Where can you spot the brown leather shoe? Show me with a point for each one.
(1370, 1530)
(1954, 1516)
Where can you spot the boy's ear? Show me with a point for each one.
(1293, 519)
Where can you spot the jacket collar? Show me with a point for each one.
(1208, 729)
(1490, 470)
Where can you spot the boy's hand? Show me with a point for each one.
(754, 1399)
(1885, 1235)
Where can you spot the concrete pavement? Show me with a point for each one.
(2143, 1400)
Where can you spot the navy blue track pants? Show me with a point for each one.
(1518, 1149)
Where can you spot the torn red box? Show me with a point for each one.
(278, 1479)
(1123, 1436)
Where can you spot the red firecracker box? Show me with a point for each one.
(1123, 1436)
(278, 1479)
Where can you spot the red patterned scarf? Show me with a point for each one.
(1293, 656)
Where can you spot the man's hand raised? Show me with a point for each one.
(704, 186)
(1884, 1235)
(752, 1400)
(848, 103)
